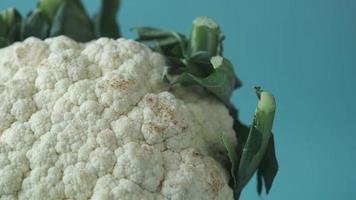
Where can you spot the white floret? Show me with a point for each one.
(78, 181)
(140, 163)
(96, 121)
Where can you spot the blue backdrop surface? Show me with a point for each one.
(305, 53)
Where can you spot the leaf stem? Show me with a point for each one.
(205, 36)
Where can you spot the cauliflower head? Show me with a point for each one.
(95, 121)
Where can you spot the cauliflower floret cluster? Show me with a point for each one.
(96, 121)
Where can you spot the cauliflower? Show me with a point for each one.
(95, 121)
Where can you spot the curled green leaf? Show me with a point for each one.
(258, 138)
(221, 82)
(202, 62)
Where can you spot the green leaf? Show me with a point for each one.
(161, 45)
(221, 82)
(14, 34)
(3, 42)
(3, 27)
(151, 33)
(105, 23)
(231, 153)
(11, 21)
(199, 68)
(35, 25)
(202, 57)
(199, 64)
(10, 17)
(72, 20)
(169, 43)
(249, 162)
(258, 139)
(268, 168)
(49, 8)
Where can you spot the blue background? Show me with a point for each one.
(304, 51)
